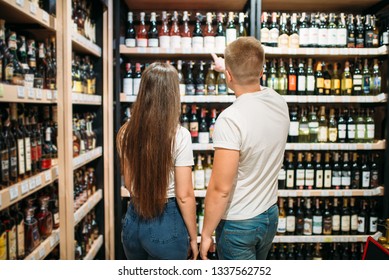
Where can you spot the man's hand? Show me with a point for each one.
(206, 243)
(219, 63)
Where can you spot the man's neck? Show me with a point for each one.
(242, 89)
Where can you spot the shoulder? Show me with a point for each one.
(182, 134)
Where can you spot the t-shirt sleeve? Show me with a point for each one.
(227, 134)
(184, 152)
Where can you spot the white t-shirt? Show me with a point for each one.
(182, 155)
(257, 125)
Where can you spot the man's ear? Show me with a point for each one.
(228, 76)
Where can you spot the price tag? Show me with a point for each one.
(302, 99)
(45, 16)
(24, 187)
(57, 238)
(49, 95)
(32, 183)
(292, 194)
(52, 241)
(48, 176)
(30, 93)
(306, 193)
(312, 99)
(344, 51)
(338, 193)
(56, 172)
(38, 180)
(20, 2)
(20, 92)
(32, 8)
(347, 193)
(55, 96)
(305, 147)
(13, 193)
(315, 147)
(325, 193)
(381, 96)
(352, 147)
(328, 239)
(42, 252)
(38, 94)
(335, 147)
(368, 146)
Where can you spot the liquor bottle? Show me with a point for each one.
(184, 117)
(212, 125)
(347, 82)
(375, 32)
(327, 172)
(294, 126)
(362, 219)
(265, 36)
(45, 218)
(366, 173)
(357, 80)
(141, 36)
(309, 173)
(281, 227)
(186, 34)
(199, 174)
(366, 78)
(327, 219)
(355, 173)
(32, 235)
(335, 81)
(350, 32)
(130, 32)
(345, 253)
(282, 78)
(281, 253)
(351, 127)
(263, 79)
(368, 32)
(304, 32)
(272, 253)
(181, 79)
(231, 33)
(319, 172)
(354, 253)
(310, 79)
(4, 158)
(323, 32)
(200, 80)
(359, 33)
(209, 34)
(212, 254)
(313, 125)
(345, 218)
(197, 36)
(175, 34)
(19, 220)
(346, 172)
(336, 173)
(332, 32)
(332, 127)
(373, 218)
(274, 31)
(342, 126)
(335, 217)
(308, 252)
(241, 28)
(164, 35)
(220, 38)
(282, 177)
(194, 125)
(376, 79)
(303, 136)
(300, 252)
(290, 218)
(299, 218)
(301, 79)
(360, 134)
(208, 170)
(327, 79)
(313, 33)
(153, 32)
(319, 79)
(19, 137)
(370, 126)
(136, 78)
(292, 78)
(54, 205)
(354, 217)
(374, 174)
(322, 135)
(290, 252)
(290, 169)
(283, 38)
(189, 80)
(317, 220)
(272, 80)
(221, 84)
(128, 81)
(11, 234)
(300, 172)
(342, 32)
(317, 254)
(308, 218)
(203, 129)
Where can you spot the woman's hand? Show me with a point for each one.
(193, 250)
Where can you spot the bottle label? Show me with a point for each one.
(327, 225)
(323, 37)
(194, 129)
(186, 43)
(346, 178)
(200, 89)
(336, 222)
(370, 131)
(265, 36)
(327, 84)
(365, 179)
(311, 83)
(304, 37)
(356, 177)
(345, 223)
(342, 128)
(373, 224)
(332, 134)
(130, 42)
(369, 37)
(4, 166)
(21, 166)
(29, 80)
(175, 42)
(361, 129)
(349, 85)
(313, 36)
(283, 41)
(319, 179)
(290, 223)
(322, 135)
(336, 178)
(282, 175)
(199, 179)
(222, 89)
(230, 35)
(274, 34)
(294, 41)
(190, 89)
(208, 173)
(357, 81)
(27, 146)
(309, 177)
(354, 222)
(307, 226)
(3, 246)
(209, 42)
(164, 42)
(201, 223)
(294, 129)
(198, 42)
(153, 43)
(182, 89)
(204, 137)
(12, 244)
(136, 85)
(281, 228)
(351, 131)
(351, 40)
(292, 82)
(20, 230)
(327, 179)
(342, 37)
(361, 224)
(56, 218)
(211, 89)
(220, 43)
(290, 179)
(366, 84)
(317, 224)
(301, 83)
(320, 83)
(332, 37)
(300, 177)
(377, 84)
(141, 42)
(13, 163)
(128, 86)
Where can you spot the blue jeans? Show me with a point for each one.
(249, 239)
(161, 238)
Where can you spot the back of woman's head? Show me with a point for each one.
(145, 142)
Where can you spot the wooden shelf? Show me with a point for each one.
(44, 249)
(86, 99)
(96, 246)
(85, 46)
(346, 52)
(158, 52)
(323, 238)
(379, 145)
(87, 157)
(19, 94)
(87, 206)
(25, 12)
(21, 190)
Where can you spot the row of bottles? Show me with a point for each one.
(83, 22)
(318, 251)
(25, 225)
(323, 172)
(344, 125)
(325, 216)
(84, 136)
(83, 75)
(319, 30)
(86, 233)
(325, 79)
(202, 171)
(25, 62)
(27, 141)
(84, 185)
(185, 37)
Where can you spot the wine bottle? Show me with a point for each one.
(376, 79)
(137, 77)
(362, 219)
(370, 126)
(194, 125)
(290, 169)
(290, 218)
(332, 31)
(368, 32)
(210, 81)
(375, 32)
(303, 136)
(265, 36)
(299, 218)
(335, 81)
(282, 177)
(347, 82)
(374, 174)
(351, 127)
(141, 40)
(327, 172)
(308, 218)
(212, 125)
(302, 79)
(292, 78)
(327, 79)
(203, 129)
(300, 172)
(164, 35)
(274, 31)
(221, 84)
(186, 34)
(346, 173)
(272, 80)
(357, 80)
(365, 171)
(199, 174)
(281, 227)
(355, 173)
(220, 38)
(189, 81)
(323, 32)
(184, 117)
(294, 126)
(360, 134)
(350, 31)
(181, 78)
(175, 34)
(336, 173)
(317, 228)
(354, 217)
(209, 34)
(208, 169)
(342, 126)
(153, 32)
(197, 36)
(290, 253)
(263, 79)
(373, 218)
(342, 32)
(366, 76)
(319, 172)
(128, 86)
(200, 80)
(282, 78)
(359, 33)
(335, 217)
(319, 79)
(313, 33)
(332, 127)
(322, 135)
(241, 29)
(283, 38)
(304, 32)
(327, 219)
(231, 33)
(309, 173)
(345, 218)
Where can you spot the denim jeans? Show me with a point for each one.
(161, 238)
(249, 239)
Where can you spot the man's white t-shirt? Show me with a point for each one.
(256, 125)
(182, 155)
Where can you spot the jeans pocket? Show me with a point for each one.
(238, 244)
(164, 229)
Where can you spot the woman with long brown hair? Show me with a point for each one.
(156, 162)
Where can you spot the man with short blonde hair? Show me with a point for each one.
(249, 140)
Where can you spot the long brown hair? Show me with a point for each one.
(145, 142)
